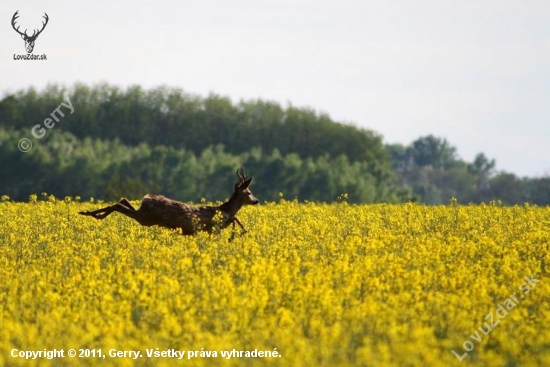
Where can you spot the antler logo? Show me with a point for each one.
(29, 40)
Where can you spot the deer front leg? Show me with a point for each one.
(232, 231)
(235, 220)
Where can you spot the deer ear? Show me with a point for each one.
(23, 36)
(245, 184)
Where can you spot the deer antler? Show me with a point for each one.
(15, 16)
(241, 175)
(43, 26)
(34, 34)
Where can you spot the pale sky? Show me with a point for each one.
(474, 72)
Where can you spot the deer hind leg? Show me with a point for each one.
(127, 204)
(104, 212)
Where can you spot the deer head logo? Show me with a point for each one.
(29, 40)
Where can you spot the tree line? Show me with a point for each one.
(64, 165)
(127, 142)
(431, 168)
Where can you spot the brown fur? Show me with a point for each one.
(164, 212)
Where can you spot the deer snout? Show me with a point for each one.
(255, 201)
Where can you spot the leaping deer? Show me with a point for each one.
(161, 211)
(29, 40)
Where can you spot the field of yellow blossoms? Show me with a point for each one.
(308, 285)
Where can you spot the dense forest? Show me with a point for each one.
(127, 142)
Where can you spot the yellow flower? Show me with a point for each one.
(324, 284)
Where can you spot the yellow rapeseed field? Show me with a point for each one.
(308, 285)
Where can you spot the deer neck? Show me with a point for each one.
(232, 206)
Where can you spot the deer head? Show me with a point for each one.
(29, 40)
(242, 192)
